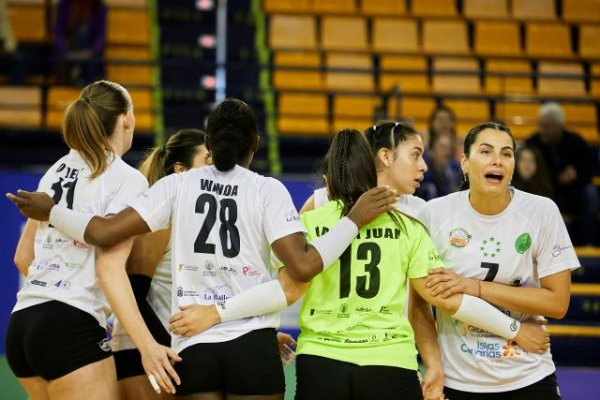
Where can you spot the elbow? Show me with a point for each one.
(300, 274)
(560, 311)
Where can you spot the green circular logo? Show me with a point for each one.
(523, 243)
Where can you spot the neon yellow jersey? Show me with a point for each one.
(354, 310)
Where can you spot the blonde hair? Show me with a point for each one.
(91, 119)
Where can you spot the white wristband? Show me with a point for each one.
(481, 314)
(332, 244)
(262, 299)
(70, 222)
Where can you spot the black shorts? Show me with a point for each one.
(247, 365)
(546, 389)
(53, 339)
(323, 378)
(128, 363)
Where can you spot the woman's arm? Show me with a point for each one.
(24, 253)
(113, 280)
(550, 300)
(420, 316)
(308, 205)
(474, 311)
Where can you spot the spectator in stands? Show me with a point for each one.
(531, 174)
(443, 176)
(569, 161)
(79, 41)
(9, 56)
(442, 122)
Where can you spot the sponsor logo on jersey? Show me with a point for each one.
(63, 283)
(490, 247)
(184, 267)
(48, 243)
(229, 271)
(483, 349)
(104, 345)
(249, 270)
(292, 216)
(471, 330)
(558, 249)
(459, 238)
(384, 310)
(209, 269)
(314, 311)
(38, 283)
(510, 349)
(364, 309)
(80, 245)
(433, 255)
(218, 294)
(523, 243)
(343, 311)
(179, 291)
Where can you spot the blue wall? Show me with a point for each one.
(11, 222)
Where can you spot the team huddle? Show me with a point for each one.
(195, 255)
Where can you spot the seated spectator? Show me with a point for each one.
(79, 41)
(442, 122)
(569, 161)
(531, 174)
(9, 56)
(444, 176)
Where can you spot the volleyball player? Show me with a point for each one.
(56, 339)
(149, 266)
(510, 248)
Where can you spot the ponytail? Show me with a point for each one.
(153, 167)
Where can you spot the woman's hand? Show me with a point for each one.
(194, 319)
(286, 343)
(445, 282)
(157, 361)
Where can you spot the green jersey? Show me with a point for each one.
(354, 310)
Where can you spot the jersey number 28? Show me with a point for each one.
(228, 233)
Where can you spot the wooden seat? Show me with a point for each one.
(293, 32)
(302, 104)
(471, 111)
(58, 99)
(521, 118)
(414, 80)
(28, 22)
(570, 84)
(359, 81)
(334, 6)
(314, 126)
(297, 79)
(395, 35)
(417, 108)
(130, 74)
(128, 26)
(534, 10)
(589, 41)
(548, 40)
(448, 37)
(481, 9)
(497, 38)
(355, 106)
(20, 106)
(345, 122)
(383, 7)
(344, 33)
(434, 8)
(581, 10)
(495, 84)
(465, 80)
(583, 119)
(286, 6)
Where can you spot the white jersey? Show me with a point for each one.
(159, 298)
(64, 269)
(410, 205)
(320, 197)
(222, 226)
(524, 243)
